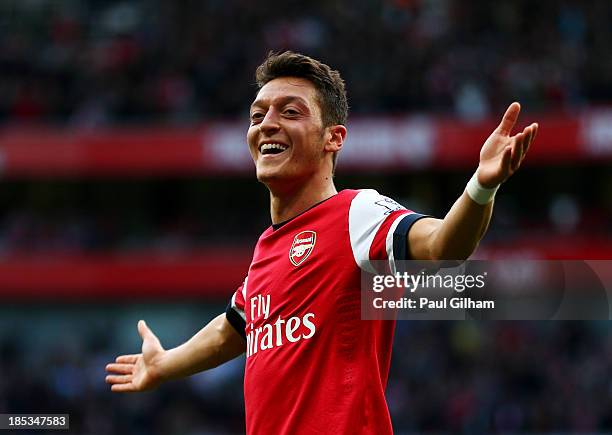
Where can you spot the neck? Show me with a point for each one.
(289, 203)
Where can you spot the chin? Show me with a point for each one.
(267, 176)
(277, 181)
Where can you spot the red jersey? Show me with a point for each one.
(312, 365)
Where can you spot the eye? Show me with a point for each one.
(256, 117)
(291, 112)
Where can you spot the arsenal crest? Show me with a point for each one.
(303, 244)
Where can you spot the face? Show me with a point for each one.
(286, 136)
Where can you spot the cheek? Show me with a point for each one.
(251, 138)
(250, 134)
(313, 141)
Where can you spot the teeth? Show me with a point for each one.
(272, 146)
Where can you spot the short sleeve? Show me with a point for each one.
(378, 228)
(235, 309)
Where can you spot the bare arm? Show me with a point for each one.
(213, 345)
(457, 235)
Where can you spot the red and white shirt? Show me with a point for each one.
(312, 365)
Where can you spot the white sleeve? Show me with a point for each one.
(378, 227)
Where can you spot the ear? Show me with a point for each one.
(336, 136)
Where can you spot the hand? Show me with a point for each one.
(502, 154)
(138, 372)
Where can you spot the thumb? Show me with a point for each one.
(150, 343)
(145, 332)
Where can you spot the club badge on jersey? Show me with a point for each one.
(302, 246)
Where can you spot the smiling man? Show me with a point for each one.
(312, 365)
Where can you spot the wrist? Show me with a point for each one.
(478, 193)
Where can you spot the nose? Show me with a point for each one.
(270, 124)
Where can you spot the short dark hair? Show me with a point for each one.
(327, 82)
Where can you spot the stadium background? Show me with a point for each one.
(127, 193)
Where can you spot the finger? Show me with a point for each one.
(127, 359)
(123, 369)
(505, 162)
(144, 330)
(509, 119)
(526, 141)
(123, 388)
(516, 150)
(149, 340)
(535, 127)
(118, 379)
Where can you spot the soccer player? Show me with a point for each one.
(312, 365)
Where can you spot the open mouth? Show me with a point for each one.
(272, 148)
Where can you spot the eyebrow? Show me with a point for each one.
(282, 100)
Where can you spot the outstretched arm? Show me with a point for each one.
(457, 235)
(213, 345)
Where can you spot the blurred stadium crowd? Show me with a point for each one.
(96, 62)
(89, 64)
(446, 377)
(92, 64)
(182, 215)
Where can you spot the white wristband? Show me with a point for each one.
(480, 195)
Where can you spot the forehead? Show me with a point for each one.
(284, 89)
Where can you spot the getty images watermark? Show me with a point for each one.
(410, 282)
(497, 290)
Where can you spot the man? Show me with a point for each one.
(312, 365)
